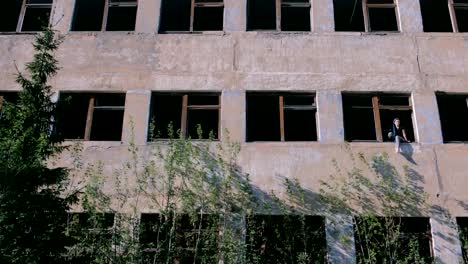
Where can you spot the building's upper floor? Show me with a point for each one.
(183, 16)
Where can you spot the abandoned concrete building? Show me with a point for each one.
(294, 81)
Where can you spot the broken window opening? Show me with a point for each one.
(97, 117)
(279, 15)
(459, 11)
(155, 230)
(108, 15)
(365, 15)
(7, 97)
(285, 238)
(281, 117)
(191, 15)
(463, 235)
(412, 233)
(451, 108)
(193, 115)
(25, 15)
(436, 16)
(369, 117)
(98, 228)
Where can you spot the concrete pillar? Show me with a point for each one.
(233, 116)
(330, 126)
(426, 119)
(340, 239)
(235, 15)
(322, 16)
(445, 239)
(136, 117)
(410, 16)
(62, 15)
(147, 20)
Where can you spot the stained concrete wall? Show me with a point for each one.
(235, 61)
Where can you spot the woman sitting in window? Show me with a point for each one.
(398, 134)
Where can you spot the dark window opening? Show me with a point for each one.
(117, 15)
(463, 234)
(451, 109)
(7, 98)
(97, 228)
(281, 117)
(185, 115)
(286, 239)
(295, 15)
(36, 15)
(91, 116)
(348, 15)
(461, 15)
(261, 15)
(121, 15)
(370, 117)
(292, 15)
(382, 19)
(182, 16)
(409, 238)
(88, 15)
(435, 16)
(9, 14)
(194, 237)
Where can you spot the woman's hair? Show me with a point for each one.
(394, 120)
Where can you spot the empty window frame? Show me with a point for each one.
(409, 238)
(281, 117)
(193, 237)
(366, 15)
(444, 15)
(285, 239)
(191, 15)
(463, 234)
(194, 115)
(98, 228)
(452, 109)
(369, 117)
(105, 15)
(25, 15)
(279, 15)
(96, 117)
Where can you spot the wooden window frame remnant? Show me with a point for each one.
(283, 106)
(186, 106)
(376, 108)
(285, 3)
(109, 4)
(453, 17)
(195, 4)
(24, 6)
(90, 114)
(365, 11)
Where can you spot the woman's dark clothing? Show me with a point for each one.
(398, 131)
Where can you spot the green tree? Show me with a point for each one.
(33, 211)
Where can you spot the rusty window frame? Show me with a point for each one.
(193, 5)
(186, 107)
(453, 17)
(115, 3)
(279, 4)
(285, 3)
(25, 5)
(90, 113)
(366, 6)
(376, 107)
(283, 106)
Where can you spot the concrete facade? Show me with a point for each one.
(235, 61)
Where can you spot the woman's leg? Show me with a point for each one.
(398, 140)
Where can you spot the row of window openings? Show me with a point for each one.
(207, 15)
(275, 238)
(270, 116)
